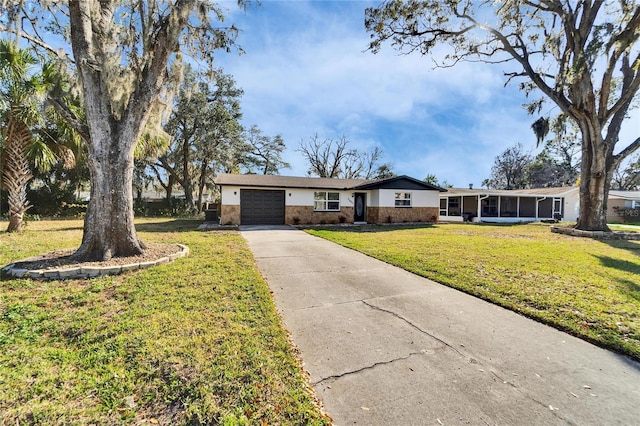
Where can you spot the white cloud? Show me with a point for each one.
(306, 72)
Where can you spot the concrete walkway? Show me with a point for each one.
(385, 347)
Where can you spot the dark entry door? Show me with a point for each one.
(261, 207)
(360, 207)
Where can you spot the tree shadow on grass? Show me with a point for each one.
(69, 228)
(632, 246)
(388, 227)
(176, 225)
(368, 227)
(628, 287)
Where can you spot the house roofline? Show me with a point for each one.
(379, 183)
(543, 192)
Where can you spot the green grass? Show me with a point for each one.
(586, 287)
(197, 341)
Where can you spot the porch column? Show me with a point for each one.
(538, 205)
(480, 198)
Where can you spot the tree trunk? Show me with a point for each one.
(109, 229)
(169, 189)
(596, 174)
(16, 172)
(188, 197)
(187, 181)
(114, 129)
(204, 166)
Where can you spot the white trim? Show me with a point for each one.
(326, 201)
(396, 199)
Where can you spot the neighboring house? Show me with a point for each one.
(623, 206)
(518, 205)
(273, 200)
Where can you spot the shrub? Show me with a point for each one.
(51, 200)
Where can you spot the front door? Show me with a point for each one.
(360, 207)
(557, 208)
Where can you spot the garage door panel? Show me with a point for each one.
(261, 207)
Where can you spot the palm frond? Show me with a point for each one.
(41, 155)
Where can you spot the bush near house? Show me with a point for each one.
(586, 287)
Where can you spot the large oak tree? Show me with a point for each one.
(582, 55)
(122, 52)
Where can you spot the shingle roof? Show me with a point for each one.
(512, 192)
(269, 181)
(626, 195)
(398, 182)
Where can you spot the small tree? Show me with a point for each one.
(433, 180)
(583, 56)
(383, 171)
(333, 159)
(627, 176)
(22, 110)
(264, 152)
(509, 170)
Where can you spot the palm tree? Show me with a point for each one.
(22, 94)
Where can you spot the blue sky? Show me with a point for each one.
(306, 71)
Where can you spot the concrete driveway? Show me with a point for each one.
(386, 347)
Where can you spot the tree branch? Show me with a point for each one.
(77, 124)
(34, 40)
(633, 147)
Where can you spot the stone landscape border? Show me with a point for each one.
(90, 271)
(598, 235)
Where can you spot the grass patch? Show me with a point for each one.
(586, 287)
(197, 341)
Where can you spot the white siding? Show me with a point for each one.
(373, 198)
(230, 195)
(304, 197)
(228, 198)
(572, 206)
(419, 198)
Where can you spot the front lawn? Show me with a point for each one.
(586, 287)
(197, 341)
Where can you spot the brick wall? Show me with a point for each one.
(399, 215)
(230, 215)
(306, 215)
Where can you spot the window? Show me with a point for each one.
(635, 204)
(327, 201)
(403, 199)
(490, 206)
(454, 206)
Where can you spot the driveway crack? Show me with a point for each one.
(415, 326)
(493, 373)
(369, 367)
